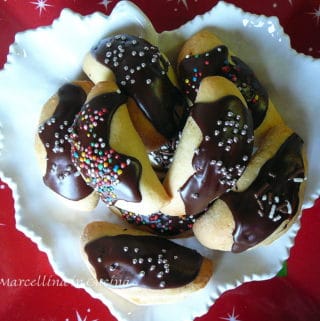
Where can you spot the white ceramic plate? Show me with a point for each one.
(43, 59)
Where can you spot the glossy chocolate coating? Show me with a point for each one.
(271, 199)
(141, 72)
(144, 261)
(115, 176)
(161, 159)
(61, 175)
(223, 154)
(160, 223)
(193, 69)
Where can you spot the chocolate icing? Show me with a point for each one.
(223, 154)
(161, 159)
(141, 72)
(115, 176)
(193, 69)
(61, 175)
(271, 199)
(160, 223)
(144, 261)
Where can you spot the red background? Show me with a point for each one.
(293, 297)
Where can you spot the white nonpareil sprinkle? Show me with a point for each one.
(272, 211)
(289, 207)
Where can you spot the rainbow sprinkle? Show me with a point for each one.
(100, 165)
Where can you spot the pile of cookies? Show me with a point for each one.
(200, 150)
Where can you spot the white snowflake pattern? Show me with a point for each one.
(185, 3)
(231, 317)
(41, 5)
(316, 14)
(80, 318)
(105, 3)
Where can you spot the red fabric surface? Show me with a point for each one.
(41, 295)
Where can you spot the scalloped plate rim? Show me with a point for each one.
(37, 239)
